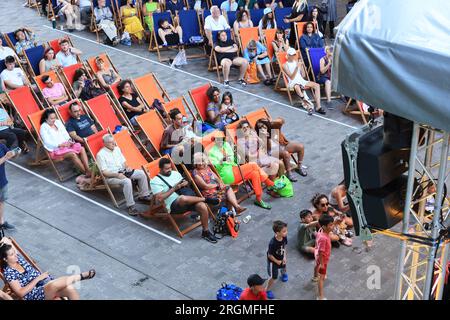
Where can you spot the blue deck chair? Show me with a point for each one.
(314, 56)
(280, 13)
(10, 39)
(213, 64)
(190, 24)
(155, 40)
(217, 2)
(231, 15)
(34, 56)
(2, 65)
(256, 15)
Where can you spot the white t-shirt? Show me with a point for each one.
(85, 3)
(213, 25)
(65, 60)
(15, 76)
(6, 51)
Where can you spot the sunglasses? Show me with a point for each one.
(324, 204)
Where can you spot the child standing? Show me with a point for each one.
(277, 255)
(228, 109)
(322, 252)
(306, 233)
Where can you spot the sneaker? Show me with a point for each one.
(301, 171)
(263, 205)
(284, 277)
(270, 295)
(242, 82)
(7, 226)
(267, 82)
(321, 111)
(164, 44)
(291, 178)
(132, 211)
(208, 236)
(315, 279)
(226, 83)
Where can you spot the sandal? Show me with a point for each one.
(90, 275)
(25, 148)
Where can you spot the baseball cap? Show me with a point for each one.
(291, 52)
(267, 10)
(255, 280)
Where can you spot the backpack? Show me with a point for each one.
(159, 107)
(225, 224)
(229, 292)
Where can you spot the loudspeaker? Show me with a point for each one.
(383, 208)
(378, 165)
(397, 132)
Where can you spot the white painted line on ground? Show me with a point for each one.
(197, 76)
(95, 202)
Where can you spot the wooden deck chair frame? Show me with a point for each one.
(154, 84)
(98, 180)
(159, 210)
(54, 76)
(154, 43)
(359, 111)
(120, 116)
(198, 115)
(24, 116)
(314, 76)
(38, 160)
(146, 129)
(95, 28)
(6, 288)
(33, 4)
(186, 43)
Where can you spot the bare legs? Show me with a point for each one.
(328, 90)
(81, 162)
(268, 71)
(315, 87)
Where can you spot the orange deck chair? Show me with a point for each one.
(200, 100)
(92, 66)
(105, 113)
(54, 44)
(159, 210)
(67, 75)
(24, 102)
(56, 78)
(247, 34)
(299, 27)
(269, 36)
(115, 96)
(179, 103)
(152, 126)
(132, 149)
(63, 111)
(35, 120)
(149, 88)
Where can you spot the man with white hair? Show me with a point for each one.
(113, 165)
(215, 22)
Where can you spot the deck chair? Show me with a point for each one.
(10, 39)
(152, 126)
(190, 23)
(2, 65)
(256, 16)
(94, 144)
(280, 13)
(269, 36)
(216, 3)
(115, 95)
(6, 288)
(179, 103)
(200, 100)
(359, 111)
(94, 27)
(56, 78)
(33, 57)
(231, 17)
(155, 41)
(314, 56)
(24, 102)
(149, 88)
(132, 149)
(35, 121)
(246, 35)
(67, 75)
(105, 113)
(159, 210)
(63, 111)
(54, 44)
(92, 66)
(299, 27)
(213, 63)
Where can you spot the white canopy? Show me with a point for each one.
(395, 55)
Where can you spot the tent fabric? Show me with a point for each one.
(395, 55)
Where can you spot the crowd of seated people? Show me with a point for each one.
(85, 88)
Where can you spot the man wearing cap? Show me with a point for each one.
(295, 73)
(255, 290)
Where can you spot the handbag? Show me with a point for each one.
(251, 75)
(288, 190)
(76, 147)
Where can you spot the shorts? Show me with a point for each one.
(175, 208)
(322, 79)
(272, 269)
(4, 193)
(172, 39)
(309, 244)
(322, 271)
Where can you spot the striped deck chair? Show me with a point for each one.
(280, 13)
(152, 126)
(159, 210)
(33, 57)
(200, 100)
(190, 23)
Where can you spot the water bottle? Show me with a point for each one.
(247, 219)
(54, 23)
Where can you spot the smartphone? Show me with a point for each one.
(16, 150)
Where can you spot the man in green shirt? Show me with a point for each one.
(170, 187)
(222, 157)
